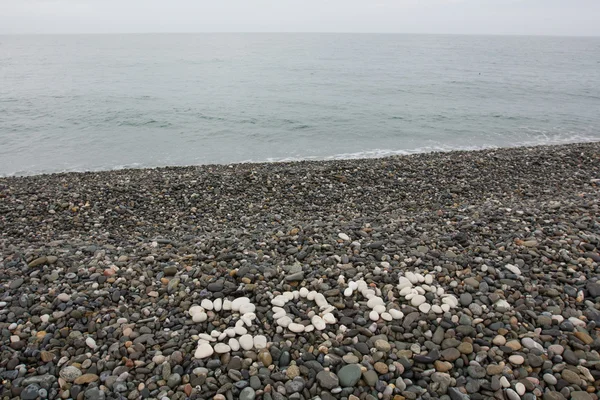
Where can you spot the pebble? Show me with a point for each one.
(277, 281)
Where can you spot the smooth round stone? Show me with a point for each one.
(311, 295)
(412, 278)
(374, 316)
(200, 317)
(499, 340)
(344, 237)
(222, 348)
(417, 300)
(320, 300)
(396, 314)
(329, 318)
(303, 292)
(556, 349)
(206, 304)
(296, 328)
(260, 342)
(64, 297)
(531, 344)
(374, 301)
(437, 309)
(218, 304)
(234, 344)
(425, 308)
(204, 350)
(348, 292)
(44, 318)
(226, 305)
(445, 307)
(403, 283)
(512, 395)
(386, 316)
(379, 309)
(466, 299)
(246, 342)
(91, 343)
(516, 359)
(429, 279)
(550, 379)
(520, 389)
(318, 323)
(284, 321)
(240, 330)
(279, 301)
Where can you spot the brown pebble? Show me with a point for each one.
(381, 368)
(85, 379)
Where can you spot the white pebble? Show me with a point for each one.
(445, 307)
(296, 328)
(91, 343)
(218, 304)
(207, 337)
(344, 237)
(195, 310)
(226, 305)
(406, 291)
(353, 285)
(329, 318)
(200, 317)
(222, 348)
(417, 300)
(215, 333)
(279, 301)
(303, 292)
(289, 295)
(318, 323)
(348, 292)
(520, 388)
(309, 328)
(429, 279)
(374, 316)
(204, 350)
(311, 295)
(379, 308)
(234, 344)
(230, 332)
(284, 321)
(240, 330)
(320, 300)
(206, 304)
(246, 342)
(374, 301)
(513, 268)
(260, 342)
(396, 314)
(386, 316)
(437, 309)
(404, 282)
(425, 308)
(45, 318)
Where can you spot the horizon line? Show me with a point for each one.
(291, 32)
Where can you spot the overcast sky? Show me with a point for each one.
(537, 17)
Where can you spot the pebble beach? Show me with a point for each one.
(459, 275)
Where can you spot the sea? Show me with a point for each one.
(103, 102)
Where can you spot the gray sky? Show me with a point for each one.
(536, 17)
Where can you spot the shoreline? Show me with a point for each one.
(454, 275)
(325, 159)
